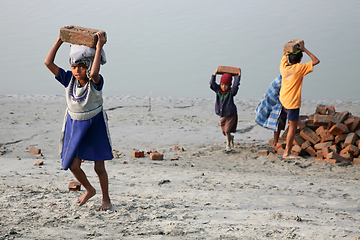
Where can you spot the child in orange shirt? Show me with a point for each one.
(293, 72)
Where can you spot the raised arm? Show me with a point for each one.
(95, 69)
(314, 59)
(49, 60)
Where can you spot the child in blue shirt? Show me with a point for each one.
(224, 104)
(85, 134)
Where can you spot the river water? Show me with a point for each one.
(171, 48)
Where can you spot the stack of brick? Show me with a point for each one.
(327, 135)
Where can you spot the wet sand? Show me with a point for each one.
(205, 194)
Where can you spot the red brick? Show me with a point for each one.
(340, 117)
(349, 122)
(326, 151)
(327, 138)
(319, 146)
(322, 120)
(319, 154)
(321, 131)
(271, 142)
(354, 150)
(296, 149)
(33, 150)
(338, 128)
(38, 163)
(350, 139)
(331, 160)
(340, 138)
(331, 110)
(225, 69)
(310, 124)
(356, 125)
(311, 151)
(79, 35)
(343, 116)
(347, 156)
(321, 109)
(263, 152)
(280, 151)
(298, 140)
(310, 135)
(74, 186)
(280, 146)
(291, 46)
(137, 154)
(333, 155)
(305, 145)
(156, 156)
(334, 148)
(357, 132)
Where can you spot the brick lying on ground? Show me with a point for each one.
(33, 150)
(327, 135)
(137, 154)
(74, 186)
(310, 135)
(263, 152)
(156, 156)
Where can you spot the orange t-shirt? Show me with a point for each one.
(292, 79)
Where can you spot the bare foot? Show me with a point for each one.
(290, 156)
(106, 205)
(86, 196)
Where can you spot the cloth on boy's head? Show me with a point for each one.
(84, 55)
(226, 78)
(296, 52)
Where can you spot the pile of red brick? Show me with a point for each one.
(327, 135)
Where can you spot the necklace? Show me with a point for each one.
(73, 92)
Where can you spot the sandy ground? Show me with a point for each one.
(205, 194)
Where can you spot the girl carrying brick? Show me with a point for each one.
(85, 134)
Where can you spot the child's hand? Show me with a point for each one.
(301, 45)
(239, 72)
(215, 72)
(101, 39)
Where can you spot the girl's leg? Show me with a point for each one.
(104, 184)
(289, 140)
(79, 174)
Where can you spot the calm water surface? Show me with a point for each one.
(171, 48)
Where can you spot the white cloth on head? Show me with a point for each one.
(83, 54)
(80, 52)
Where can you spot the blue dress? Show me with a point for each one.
(86, 139)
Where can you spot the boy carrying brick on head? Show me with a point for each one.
(292, 73)
(225, 106)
